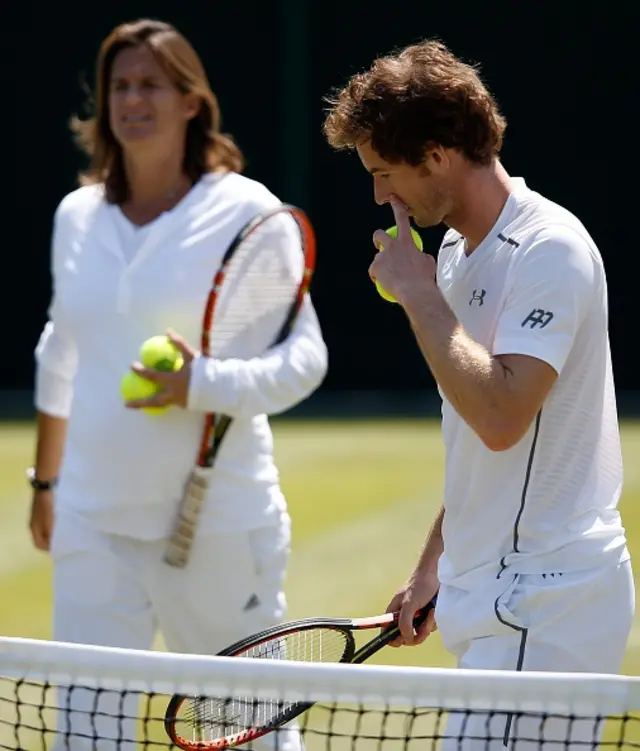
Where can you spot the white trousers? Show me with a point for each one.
(572, 622)
(116, 591)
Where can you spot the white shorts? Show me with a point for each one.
(572, 622)
(116, 591)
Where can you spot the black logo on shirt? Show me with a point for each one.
(537, 317)
(252, 602)
(478, 296)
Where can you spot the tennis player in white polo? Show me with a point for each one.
(528, 551)
(134, 252)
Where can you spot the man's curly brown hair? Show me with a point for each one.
(423, 95)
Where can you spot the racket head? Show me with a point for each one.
(263, 276)
(216, 723)
(256, 296)
(197, 722)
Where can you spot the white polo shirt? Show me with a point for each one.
(115, 285)
(535, 286)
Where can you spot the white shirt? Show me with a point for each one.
(115, 286)
(535, 286)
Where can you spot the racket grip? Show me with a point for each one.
(180, 541)
(422, 615)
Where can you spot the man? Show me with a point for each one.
(528, 553)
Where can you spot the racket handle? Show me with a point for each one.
(421, 616)
(179, 544)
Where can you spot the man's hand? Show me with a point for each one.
(414, 595)
(42, 519)
(402, 270)
(174, 386)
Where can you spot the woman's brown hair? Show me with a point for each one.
(206, 148)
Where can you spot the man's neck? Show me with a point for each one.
(482, 195)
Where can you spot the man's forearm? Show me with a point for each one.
(433, 547)
(51, 432)
(474, 382)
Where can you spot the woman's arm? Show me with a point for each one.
(270, 384)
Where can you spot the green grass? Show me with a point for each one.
(361, 494)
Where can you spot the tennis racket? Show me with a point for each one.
(202, 723)
(255, 297)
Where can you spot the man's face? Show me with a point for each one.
(423, 189)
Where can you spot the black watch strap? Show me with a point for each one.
(40, 484)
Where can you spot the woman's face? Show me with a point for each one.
(145, 108)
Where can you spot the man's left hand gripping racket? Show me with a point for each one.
(254, 301)
(205, 723)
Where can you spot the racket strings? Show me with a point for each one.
(216, 718)
(308, 645)
(260, 283)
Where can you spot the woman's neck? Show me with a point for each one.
(155, 186)
(151, 177)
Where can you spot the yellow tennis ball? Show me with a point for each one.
(160, 353)
(134, 386)
(393, 232)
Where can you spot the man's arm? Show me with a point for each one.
(419, 589)
(498, 396)
(497, 390)
(433, 548)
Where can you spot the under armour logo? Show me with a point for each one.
(252, 602)
(537, 317)
(478, 296)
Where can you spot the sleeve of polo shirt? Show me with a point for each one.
(279, 379)
(551, 286)
(55, 353)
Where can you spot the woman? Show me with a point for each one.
(134, 250)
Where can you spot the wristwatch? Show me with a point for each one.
(40, 484)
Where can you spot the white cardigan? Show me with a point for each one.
(125, 469)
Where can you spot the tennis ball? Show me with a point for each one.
(134, 386)
(393, 232)
(160, 353)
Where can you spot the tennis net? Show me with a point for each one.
(58, 696)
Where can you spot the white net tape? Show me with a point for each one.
(114, 680)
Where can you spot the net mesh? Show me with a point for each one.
(56, 696)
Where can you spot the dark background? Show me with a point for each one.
(563, 73)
